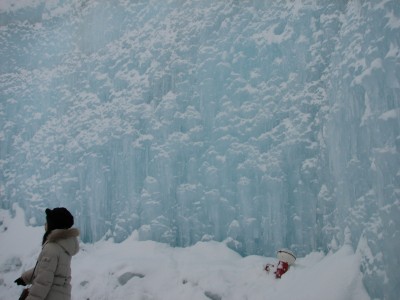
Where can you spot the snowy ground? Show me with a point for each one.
(149, 270)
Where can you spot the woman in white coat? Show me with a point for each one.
(51, 277)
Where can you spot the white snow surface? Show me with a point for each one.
(150, 270)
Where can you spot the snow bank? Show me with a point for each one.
(208, 270)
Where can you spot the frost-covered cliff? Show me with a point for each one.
(263, 123)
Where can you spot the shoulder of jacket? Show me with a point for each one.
(50, 249)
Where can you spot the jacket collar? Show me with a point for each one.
(66, 239)
(61, 234)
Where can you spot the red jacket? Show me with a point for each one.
(281, 268)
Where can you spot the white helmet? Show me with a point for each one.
(286, 256)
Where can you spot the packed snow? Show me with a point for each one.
(150, 270)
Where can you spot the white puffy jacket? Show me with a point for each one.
(52, 276)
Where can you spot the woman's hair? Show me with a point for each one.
(45, 235)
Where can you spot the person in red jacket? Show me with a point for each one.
(286, 258)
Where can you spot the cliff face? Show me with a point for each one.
(266, 125)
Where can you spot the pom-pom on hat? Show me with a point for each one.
(59, 218)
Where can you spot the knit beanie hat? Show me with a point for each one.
(59, 218)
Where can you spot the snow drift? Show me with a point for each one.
(139, 270)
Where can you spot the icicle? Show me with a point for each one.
(347, 236)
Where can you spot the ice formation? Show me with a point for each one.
(265, 124)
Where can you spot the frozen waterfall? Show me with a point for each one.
(264, 124)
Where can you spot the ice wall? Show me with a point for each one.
(263, 123)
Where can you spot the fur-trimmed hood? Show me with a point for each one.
(66, 238)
